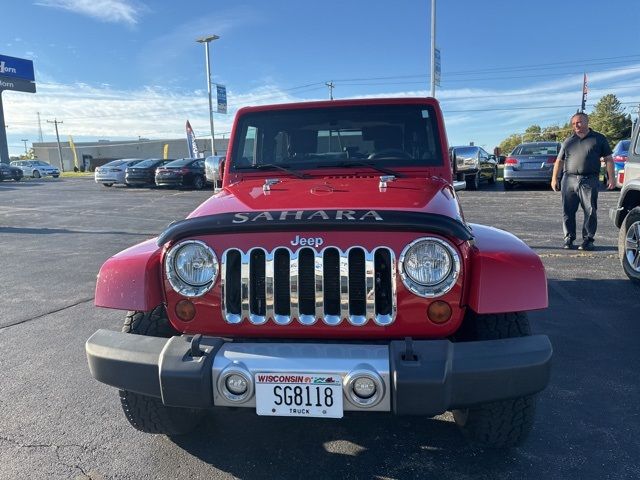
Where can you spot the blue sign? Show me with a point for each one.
(222, 98)
(12, 67)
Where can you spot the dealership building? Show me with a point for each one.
(89, 155)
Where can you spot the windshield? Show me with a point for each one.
(466, 151)
(148, 163)
(537, 149)
(303, 139)
(622, 147)
(179, 163)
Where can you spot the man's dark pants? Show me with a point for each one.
(579, 190)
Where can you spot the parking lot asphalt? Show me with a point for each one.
(57, 422)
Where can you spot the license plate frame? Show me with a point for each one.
(317, 395)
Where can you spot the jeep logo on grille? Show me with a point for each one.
(307, 241)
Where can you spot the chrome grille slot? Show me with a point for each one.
(308, 286)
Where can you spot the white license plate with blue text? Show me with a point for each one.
(299, 395)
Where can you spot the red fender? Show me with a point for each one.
(130, 280)
(506, 275)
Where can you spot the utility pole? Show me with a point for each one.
(331, 87)
(25, 140)
(206, 40)
(56, 122)
(433, 48)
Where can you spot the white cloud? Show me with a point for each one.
(115, 11)
(483, 115)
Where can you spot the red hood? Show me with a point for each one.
(430, 195)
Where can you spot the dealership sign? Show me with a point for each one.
(16, 74)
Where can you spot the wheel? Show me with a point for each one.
(505, 423)
(56, 176)
(149, 414)
(494, 176)
(473, 181)
(198, 183)
(36, 174)
(507, 185)
(107, 184)
(629, 245)
(17, 179)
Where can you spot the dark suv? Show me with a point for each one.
(627, 215)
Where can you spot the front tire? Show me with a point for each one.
(107, 184)
(494, 176)
(473, 181)
(149, 414)
(36, 174)
(198, 183)
(505, 423)
(629, 245)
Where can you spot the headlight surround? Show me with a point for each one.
(429, 267)
(191, 267)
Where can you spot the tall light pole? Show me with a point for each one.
(206, 40)
(25, 140)
(433, 48)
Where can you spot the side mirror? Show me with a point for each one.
(454, 162)
(212, 170)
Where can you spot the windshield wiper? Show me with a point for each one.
(349, 164)
(270, 166)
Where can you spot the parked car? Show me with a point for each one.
(213, 168)
(114, 171)
(184, 172)
(144, 173)
(626, 215)
(8, 172)
(530, 163)
(475, 164)
(620, 155)
(36, 168)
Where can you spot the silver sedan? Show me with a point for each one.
(114, 172)
(530, 163)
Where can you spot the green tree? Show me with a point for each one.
(30, 155)
(609, 119)
(509, 143)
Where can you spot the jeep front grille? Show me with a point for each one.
(309, 286)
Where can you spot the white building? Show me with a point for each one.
(93, 154)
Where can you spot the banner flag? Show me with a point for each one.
(75, 155)
(221, 92)
(191, 142)
(165, 151)
(585, 89)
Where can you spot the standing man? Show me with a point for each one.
(579, 160)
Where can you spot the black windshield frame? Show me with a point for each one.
(392, 136)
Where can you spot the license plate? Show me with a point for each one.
(299, 395)
(531, 166)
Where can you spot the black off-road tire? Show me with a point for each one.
(473, 181)
(630, 227)
(149, 414)
(199, 183)
(505, 423)
(494, 176)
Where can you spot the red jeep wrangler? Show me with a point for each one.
(334, 272)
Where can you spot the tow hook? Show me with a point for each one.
(408, 355)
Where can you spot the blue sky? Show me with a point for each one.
(123, 69)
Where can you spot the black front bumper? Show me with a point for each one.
(426, 377)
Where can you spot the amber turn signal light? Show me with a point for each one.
(185, 310)
(439, 312)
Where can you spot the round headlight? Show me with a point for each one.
(191, 267)
(429, 267)
(195, 264)
(427, 263)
